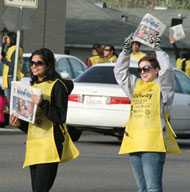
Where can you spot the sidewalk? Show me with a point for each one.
(8, 130)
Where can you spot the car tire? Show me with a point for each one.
(74, 133)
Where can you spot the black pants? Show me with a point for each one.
(43, 175)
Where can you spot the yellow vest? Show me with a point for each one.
(40, 145)
(179, 63)
(8, 56)
(137, 56)
(187, 68)
(113, 59)
(143, 131)
(98, 59)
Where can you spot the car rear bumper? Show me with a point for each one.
(103, 118)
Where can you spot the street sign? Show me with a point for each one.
(11, 21)
(22, 3)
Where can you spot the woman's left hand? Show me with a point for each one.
(37, 99)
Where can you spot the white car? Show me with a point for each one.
(98, 104)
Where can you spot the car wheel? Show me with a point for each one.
(74, 133)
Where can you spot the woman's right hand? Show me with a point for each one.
(14, 121)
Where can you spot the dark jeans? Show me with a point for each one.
(43, 175)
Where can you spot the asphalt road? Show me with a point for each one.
(98, 168)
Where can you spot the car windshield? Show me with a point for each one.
(101, 74)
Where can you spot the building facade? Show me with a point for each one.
(47, 26)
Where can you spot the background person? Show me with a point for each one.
(183, 61)
(148, 135)
(98, 55)
(4, 45)
(3, 102)
(109, 53)
(48, 141)
(9, 61)
(136, 54)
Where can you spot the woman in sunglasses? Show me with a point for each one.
(48, 141)
(148, 135)
(109, 53)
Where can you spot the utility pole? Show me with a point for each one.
(153, 4)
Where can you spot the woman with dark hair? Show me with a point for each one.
(148, 135)
(48, 141)
(109, 53)
(8, 59)
(98, 55)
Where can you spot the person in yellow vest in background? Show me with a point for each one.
(109, 53)
(183, 61)
(98, 56)
(9, 60)
(48, 141)
(136, 54)
(148, 135)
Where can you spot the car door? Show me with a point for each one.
(77, 67)
(180, 118)
(64, 68)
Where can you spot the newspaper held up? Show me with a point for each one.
(177, 32)
(21, 104)
(148, 26)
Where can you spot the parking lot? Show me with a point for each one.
(98, 168)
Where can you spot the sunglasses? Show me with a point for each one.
(36, 63)
(107, 50)
(146, 69)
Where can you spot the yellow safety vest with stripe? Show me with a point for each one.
(40, 145)
(179, 63)
(8, 56)
(143, 131)
(97, 59)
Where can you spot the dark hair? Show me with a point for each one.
(49, 60)
(12, 36)
(153, 61)
(98, 48)
(136, 42)
(1, 92)
(4, 31)
(112, 48)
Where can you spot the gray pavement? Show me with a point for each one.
(9, 130)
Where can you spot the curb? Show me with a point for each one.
(10, 131)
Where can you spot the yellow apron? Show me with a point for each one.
(187, 68)
(8, 56)
(143, 131)
(179, 63)
(40, 145)
(98, 59)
